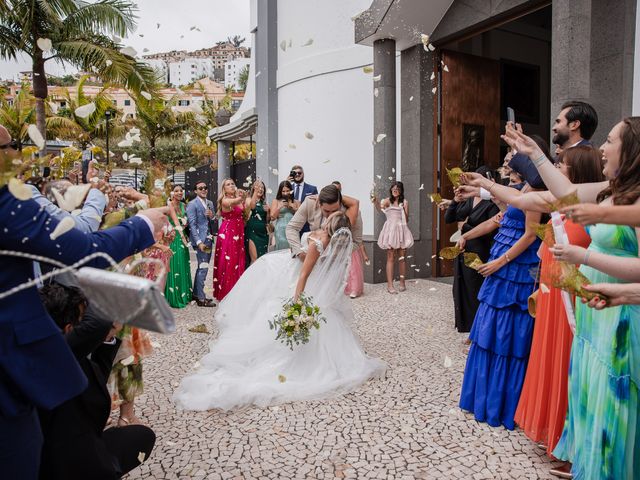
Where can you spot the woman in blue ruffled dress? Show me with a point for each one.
(502, 328)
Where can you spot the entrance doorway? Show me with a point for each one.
(506, 66)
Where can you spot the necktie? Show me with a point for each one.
(296, 192)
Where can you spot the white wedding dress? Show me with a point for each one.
(247, 366)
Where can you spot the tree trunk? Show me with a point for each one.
(40, 91)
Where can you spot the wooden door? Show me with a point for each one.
(469, 133)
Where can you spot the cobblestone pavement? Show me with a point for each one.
(406, 426)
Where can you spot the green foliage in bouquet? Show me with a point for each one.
(294, 323)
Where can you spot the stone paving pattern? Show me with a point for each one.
(405, 426)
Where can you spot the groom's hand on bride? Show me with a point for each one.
(301, 256)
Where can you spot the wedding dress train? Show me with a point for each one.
(247, 366)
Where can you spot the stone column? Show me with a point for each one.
(267, 92)
(224, 161)
(384, 124)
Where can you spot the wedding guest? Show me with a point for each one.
(256, 235)
(395, 236)
(575, 125)
(543, 402)
(467, 281)
(502, 327)
(229, 258)
(38, 367)
(200, 213)
(282, 209)
(178, 285)
(355, 278)
(76, 444)
(601, 435)
(301, 189)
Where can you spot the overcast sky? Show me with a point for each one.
(217, 20)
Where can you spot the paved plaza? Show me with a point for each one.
(405, 426)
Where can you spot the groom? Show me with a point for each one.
(314, 210)
(199, 214)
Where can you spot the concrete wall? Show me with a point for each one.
(323, 90)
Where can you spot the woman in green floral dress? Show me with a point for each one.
(256, 235)
(178, 288)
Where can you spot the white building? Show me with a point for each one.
(189, 70)
(160, 66)
(232, 70)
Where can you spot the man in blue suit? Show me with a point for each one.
(200, 213)
(301, 190)
(575, 125)
(37, 369)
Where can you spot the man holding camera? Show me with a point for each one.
(301, 190)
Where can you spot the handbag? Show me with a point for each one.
(533, 298)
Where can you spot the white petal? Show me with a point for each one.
(445, 68)
(125, 156)
(207, 141)
(308, 42)
(192, 169)
(146, 95)
(19, 189)
(411, 98)
(130, 51)
(125, 143)
(283, 45)
(221, 235)
(85, 110)
(137, 161)
(108, 63)
(544, 288)
(54, 107)
(433, 90)
(377, 78)
(433, 76)
(421, 186)
(424, 38)
(375, 92)
(44, 44)
(431, 47)
(203, 265)
(274, 171)
(380, 137)
(308, 135)
(447, 362)
(35, 136)
(63, 227)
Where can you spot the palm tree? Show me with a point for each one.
(236, 40)
(80, 35)
(84, 130)
(17, 115)
(157, 118)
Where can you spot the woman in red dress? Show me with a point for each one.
(229, 257)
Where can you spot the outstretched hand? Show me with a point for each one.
(584, 213)
(520, 142)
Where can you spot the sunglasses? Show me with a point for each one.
(12, 144)
(297, 173)
(202, 188)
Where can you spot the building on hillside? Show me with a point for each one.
(232, 71)
(189, 70)
(172, 56)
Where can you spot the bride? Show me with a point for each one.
(247, 366)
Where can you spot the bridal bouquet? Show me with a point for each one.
(294, 323)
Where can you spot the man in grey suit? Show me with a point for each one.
(200, 213)
(314, 210)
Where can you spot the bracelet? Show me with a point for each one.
(540, 160)
(586, 257)
(506, 256)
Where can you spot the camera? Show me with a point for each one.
(292, 174)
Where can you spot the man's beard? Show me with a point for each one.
(560, 139)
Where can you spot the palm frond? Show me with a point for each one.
(106, 16)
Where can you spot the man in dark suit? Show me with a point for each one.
(76, 445)
(36, 366)
(200, 213)
(301, 190)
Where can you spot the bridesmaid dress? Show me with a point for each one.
(255, 230)
(280, 230)
(543, 403)
(501, 332)
(229, 257)
(601, 435)
(178, 288)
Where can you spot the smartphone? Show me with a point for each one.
(511, 115)
(489, 176)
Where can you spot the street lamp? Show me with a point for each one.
(107, 115)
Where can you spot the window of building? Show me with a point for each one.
(127, 103)
(115, 102)
(183, 103)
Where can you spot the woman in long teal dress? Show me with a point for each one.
(256, 235)
(178, 288)
(601, 435)
(282, 209)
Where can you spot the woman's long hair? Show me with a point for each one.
(400, 186)
(625, 187)
(221, 196)
(264, 190)
(284, 183)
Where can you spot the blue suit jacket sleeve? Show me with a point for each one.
(192, 216)
(36, 365)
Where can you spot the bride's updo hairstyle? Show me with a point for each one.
(336, 221)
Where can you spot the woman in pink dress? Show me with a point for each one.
(228, 260)
(395, 236)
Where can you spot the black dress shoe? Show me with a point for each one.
(205, 303)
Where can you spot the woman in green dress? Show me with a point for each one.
(256, 236)
(283, 207)
(178, 287)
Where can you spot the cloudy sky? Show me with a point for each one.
(217, 20)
